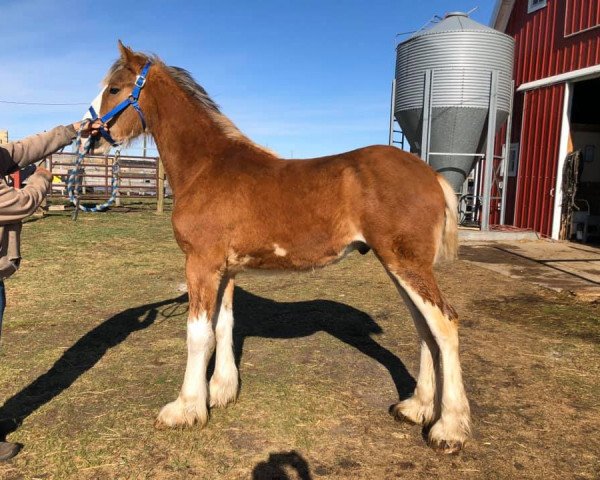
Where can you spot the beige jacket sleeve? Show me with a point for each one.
(15, 155)
(15, 205)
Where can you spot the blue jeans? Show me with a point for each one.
(2, 303)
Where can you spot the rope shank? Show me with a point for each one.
(76, 174)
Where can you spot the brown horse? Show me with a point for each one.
(239, 206)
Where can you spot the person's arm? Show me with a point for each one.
(15, 155)
(15, 205)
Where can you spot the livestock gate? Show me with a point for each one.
(139, 177)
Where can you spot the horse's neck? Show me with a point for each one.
(187, 138)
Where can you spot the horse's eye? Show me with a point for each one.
(114, 90)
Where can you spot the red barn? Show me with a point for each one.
(556, 109)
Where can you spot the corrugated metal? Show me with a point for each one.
(581, 15)
(542, 49)
(540, 138)
(462, 54)
(462, 62)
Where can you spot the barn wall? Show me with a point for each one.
(581, 15)
(561, 37)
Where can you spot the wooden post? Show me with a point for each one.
(160, 187)
(118, 195)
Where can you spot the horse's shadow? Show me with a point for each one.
(78, 359)
(254, 316)
(260, 317)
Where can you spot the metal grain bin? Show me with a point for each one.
(456, 57)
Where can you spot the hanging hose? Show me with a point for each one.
(76, 175)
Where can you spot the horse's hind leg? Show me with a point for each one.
(204, 287)
(224, 382)
(419, 408)
(437, 324)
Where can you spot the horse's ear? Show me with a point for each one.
(126, 52)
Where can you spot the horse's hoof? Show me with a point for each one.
(161, 425)
(180, 414)
(396, 412)
(223, 392)
(445, 447)
(158, 425)
(413, 411)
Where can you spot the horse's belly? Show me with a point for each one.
(294, 257)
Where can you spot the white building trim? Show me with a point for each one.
(501, 14)
(580, 74)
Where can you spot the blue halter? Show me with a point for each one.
(132, 100)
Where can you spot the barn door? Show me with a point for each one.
(540, 141)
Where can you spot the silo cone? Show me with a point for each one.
(461, 55)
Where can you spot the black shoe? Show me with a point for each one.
(8, 450)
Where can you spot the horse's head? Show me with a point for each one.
(118, 87)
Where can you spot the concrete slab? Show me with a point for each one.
(560, 266)
(476, 235)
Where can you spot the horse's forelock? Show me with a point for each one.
(121, 64)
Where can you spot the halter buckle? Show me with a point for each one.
(140, 81)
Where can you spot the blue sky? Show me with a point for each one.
(305, 78)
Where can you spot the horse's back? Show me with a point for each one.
(372, 179)
(368, 193)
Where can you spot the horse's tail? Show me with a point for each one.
(448, 246)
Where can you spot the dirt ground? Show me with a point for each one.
(94, 344)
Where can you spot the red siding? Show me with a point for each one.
(559, 38)
(581, 15)
(541, 48)
(540, 139)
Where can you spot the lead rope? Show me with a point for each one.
(76, 174)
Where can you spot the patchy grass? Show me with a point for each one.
(94, 345)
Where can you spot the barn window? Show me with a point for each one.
(534, 5)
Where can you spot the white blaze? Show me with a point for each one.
(96, 104)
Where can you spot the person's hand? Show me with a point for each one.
(92, 128)
(44, 172)
(26, 172)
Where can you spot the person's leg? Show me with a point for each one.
(2, 304)
(7, 449)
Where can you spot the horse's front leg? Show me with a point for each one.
(224, 381)
(191, 406)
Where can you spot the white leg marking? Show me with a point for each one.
(453, 426)
(191, 405)
(224, 382)
(280, 252)
(419, 408)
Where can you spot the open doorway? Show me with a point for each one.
(585, 138)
